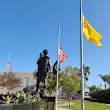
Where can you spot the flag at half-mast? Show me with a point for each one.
(62, 55)
(91, 34)
(9, 66)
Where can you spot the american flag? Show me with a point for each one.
(62, 55)
(9, 66)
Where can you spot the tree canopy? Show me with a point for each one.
(9, 81)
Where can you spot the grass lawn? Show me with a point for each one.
(88, 105)
(62, 101)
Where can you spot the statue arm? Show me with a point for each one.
(50, 67)
(49, 64)
(38, 61)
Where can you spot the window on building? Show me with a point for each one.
(25, 81)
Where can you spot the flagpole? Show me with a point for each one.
(8, 59)
(81, 58)
(57, 67)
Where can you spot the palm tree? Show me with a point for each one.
(101, 86)
(108, 80)
(104, 78)
(86, 72)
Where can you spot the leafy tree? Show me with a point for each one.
(69, 80)
(10, 82)
(70, 76)
(3, 81)
(51, 84)
(92, 88)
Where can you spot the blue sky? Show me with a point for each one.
(27, 27)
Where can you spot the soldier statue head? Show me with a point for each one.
(41, 55)
(45, 52)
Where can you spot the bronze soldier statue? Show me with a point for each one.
(43, 69)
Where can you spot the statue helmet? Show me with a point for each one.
(45, 51)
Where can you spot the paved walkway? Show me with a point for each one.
(64, 104)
